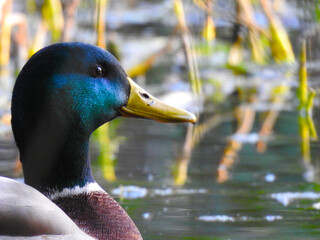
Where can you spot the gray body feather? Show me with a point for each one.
(24, 212)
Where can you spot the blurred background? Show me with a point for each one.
(249, 69)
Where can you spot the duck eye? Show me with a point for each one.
(97, 71)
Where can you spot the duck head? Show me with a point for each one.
(62, 94)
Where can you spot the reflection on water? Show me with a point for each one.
(249, 205)
(266, 197)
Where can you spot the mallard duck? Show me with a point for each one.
(63, 93)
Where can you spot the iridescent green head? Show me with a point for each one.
(73, 85)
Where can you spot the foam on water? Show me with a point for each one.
(135, 192)
(251, 138)
(216, 218)
(130, 192)
(286, 198)
(226, 218)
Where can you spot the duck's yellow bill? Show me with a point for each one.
(143, 105)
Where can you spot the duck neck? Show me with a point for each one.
(56, 160)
